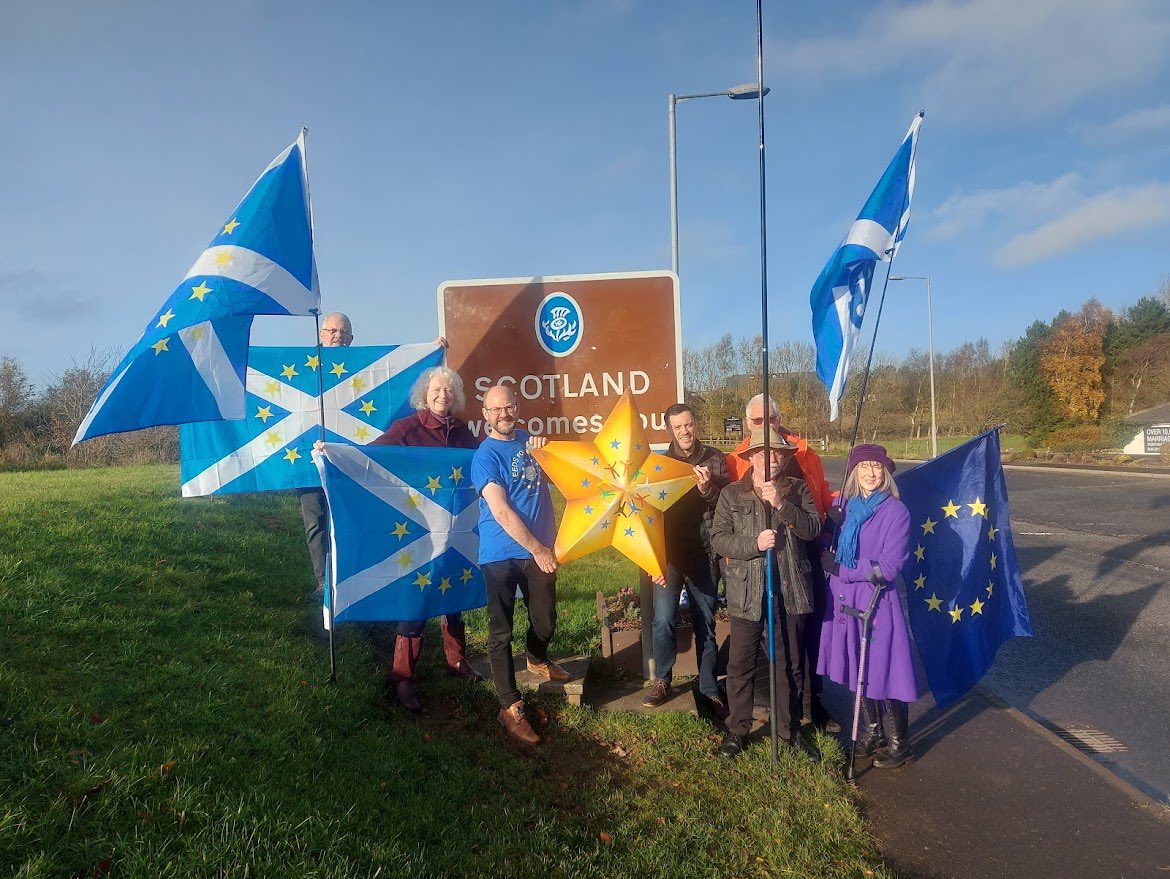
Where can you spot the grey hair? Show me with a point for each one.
(344, 318)
(418, 393)
(758, 400)
(853, 489)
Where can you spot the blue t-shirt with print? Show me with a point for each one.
(508, 464)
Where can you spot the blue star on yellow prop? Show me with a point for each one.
(609, 479)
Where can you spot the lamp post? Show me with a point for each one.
(747, 91)
(930, 357)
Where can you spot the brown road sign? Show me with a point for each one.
(569, 344)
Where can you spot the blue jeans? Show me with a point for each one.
(699, 572)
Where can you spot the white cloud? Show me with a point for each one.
(1027, 201)
(1144, 123)
(982, 58)
(1104, 215)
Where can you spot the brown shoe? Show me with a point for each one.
(659, 693)
(464, 670)
(548, 669)
(514, 722)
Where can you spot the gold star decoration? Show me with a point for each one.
(357, 383)
(399, 530)
(456, 475)
(465, 576)
(273, 438)
(160, 346)
(264, 413)
(405, 559)
(422, 581)
(229, 228)
(164, 319)
(289, 371)
(368, 406)
(224, 258)
(200, 291)
(956, 614)
(991, 532)
(976, 607)
(615, 490)
(444, 585)
(928, 526)
(361, 432)
(272, 387)
(934, 602)
(291, 455)
(433, 484)
(338, 369)
(920, 582)
(978, 508)
(951, 510)
(312, 361)
(920, 552)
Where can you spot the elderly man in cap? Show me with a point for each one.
(744, 531)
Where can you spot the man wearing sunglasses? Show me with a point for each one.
(516, 536)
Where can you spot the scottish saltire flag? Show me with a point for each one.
(403, 530)
(963, 583)
(189, 363)
(365, 389)
(839, 296)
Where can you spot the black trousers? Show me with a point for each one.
(315, 514)
(793, 687)
(540, 594)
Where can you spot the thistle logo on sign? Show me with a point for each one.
(558, 324)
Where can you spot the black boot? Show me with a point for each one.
(897, 751)
(870, 734)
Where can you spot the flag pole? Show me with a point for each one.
(770, 556)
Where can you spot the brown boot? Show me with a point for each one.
(406, 651)
(455, 646)
(514, 722)
(548, 669)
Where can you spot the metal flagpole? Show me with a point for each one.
(770, 556)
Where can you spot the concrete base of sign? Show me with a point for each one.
(623, 648)
(573, 689)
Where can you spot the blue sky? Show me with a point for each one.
(466, 139)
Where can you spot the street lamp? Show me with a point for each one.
(747, 91)
(930, 357)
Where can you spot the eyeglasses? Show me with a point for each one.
(758, 421)
(330, 331)
(496, 410)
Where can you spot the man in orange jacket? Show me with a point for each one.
(813, 473)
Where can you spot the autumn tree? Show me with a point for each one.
(1072, 360)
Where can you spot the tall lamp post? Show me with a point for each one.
(930, 357)
(748, 91)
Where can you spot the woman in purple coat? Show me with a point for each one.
(876, 528)
(435, 395)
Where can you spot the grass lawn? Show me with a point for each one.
(164, 712)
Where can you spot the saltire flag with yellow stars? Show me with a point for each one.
(364, 389)
(616, 490)
(403, 529)
(963, 585)
(189, 363)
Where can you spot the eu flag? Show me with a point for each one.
(362, 391)
(403, 523)
(963, 583)
(189, 363)
(841, 290)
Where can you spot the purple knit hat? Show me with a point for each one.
(869, 452)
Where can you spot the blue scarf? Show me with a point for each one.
(857, 513)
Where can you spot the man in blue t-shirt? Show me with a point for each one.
(516, 535)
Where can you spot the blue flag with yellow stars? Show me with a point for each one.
(363, 390)
(189, 363)
(963, 582)
(403, 524)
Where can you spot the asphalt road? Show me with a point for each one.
(1094, 549)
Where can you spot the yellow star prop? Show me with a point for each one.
(951, 509)
(433, 484)
(399, 530)
(160, 346)
(338, 369)
(264, 413)
(615, 491)
(230, 227)
(200, 291)
(920, 552)
(368, 406)
(978, 508)
(291, 455)
(934, 602)
(956, 614)
(289, 371)
(976, 607)
(164, 319)
(928, 526)
(312, 361)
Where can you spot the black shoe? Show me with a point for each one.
(821, 718)
(658, 694)
(717, 707)
(732, 746)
